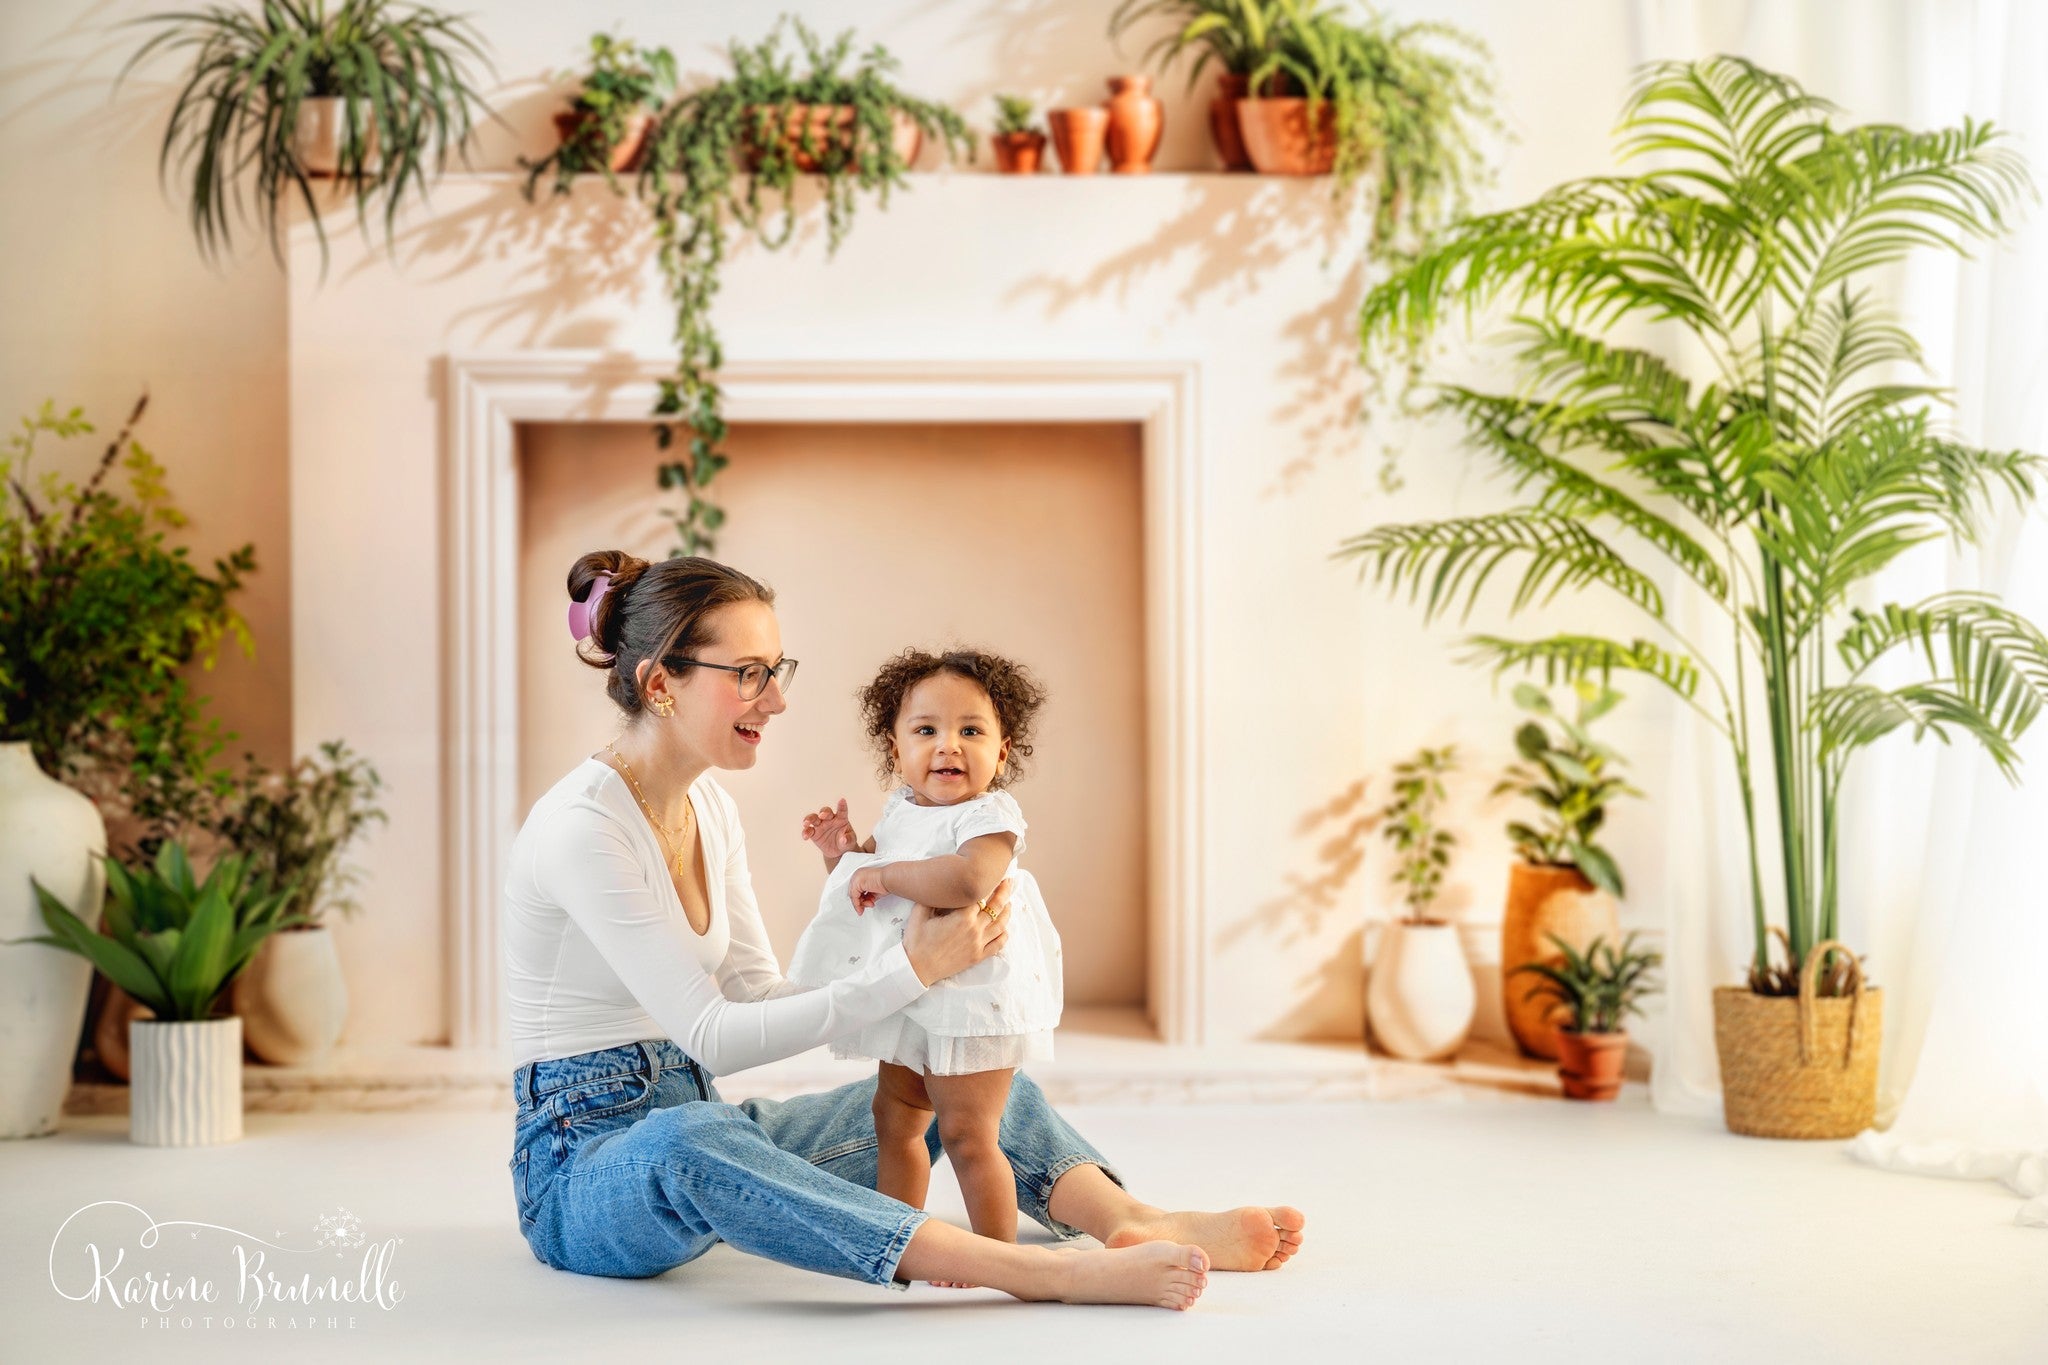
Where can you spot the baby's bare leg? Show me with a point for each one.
(970, 1112)
(903, 1114)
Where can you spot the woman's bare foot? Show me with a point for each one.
(1251, 1238)
(1163, 1273)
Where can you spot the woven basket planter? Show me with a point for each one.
(1799, 1067)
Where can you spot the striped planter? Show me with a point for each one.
(185, 1082)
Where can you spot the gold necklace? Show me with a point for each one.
(669, 840)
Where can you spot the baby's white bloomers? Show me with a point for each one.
(995, 1015)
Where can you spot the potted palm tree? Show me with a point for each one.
(1776, 487)
(173, 943)
(1563, 883)
(1592, 994)
(365, 92)
(1419, 998)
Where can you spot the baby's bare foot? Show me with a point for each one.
(1255, 1237)
(1166, 1274)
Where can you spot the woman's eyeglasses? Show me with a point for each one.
(753, 678)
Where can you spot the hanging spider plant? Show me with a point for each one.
(400, 75)
(1777, 485)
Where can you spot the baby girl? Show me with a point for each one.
(952, 729)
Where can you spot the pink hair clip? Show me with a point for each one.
(581, 613)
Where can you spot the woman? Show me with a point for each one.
(638, 968)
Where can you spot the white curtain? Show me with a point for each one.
(1944, 887)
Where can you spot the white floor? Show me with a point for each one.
(1468, 1230)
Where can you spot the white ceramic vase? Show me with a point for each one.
(55, 835)
(321, 134)
(291, 997)
(185, 1082)
(1419, 997)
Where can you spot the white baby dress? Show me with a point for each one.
(997, 1014)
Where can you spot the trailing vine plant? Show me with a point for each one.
(727, 156)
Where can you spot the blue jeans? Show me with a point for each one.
(627, 1162)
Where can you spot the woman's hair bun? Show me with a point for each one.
(583, 576)
(666, 617)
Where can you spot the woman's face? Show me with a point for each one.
(710, 720)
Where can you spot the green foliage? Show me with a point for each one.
(1598, 991)
(1014, 114)
(172, 941)
(692, 180)
(98, 616)
(403, 76)
(1408, 824)
(1776, 483)
(1234, 34)
(1569, 777)
(294, 826)
(623, 79)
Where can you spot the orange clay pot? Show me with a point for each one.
(1281, 139)
(1019, 153)
(1077, 136)
(830, 126)
(1223, 129)
(627, 151)
(1136, 121)
(1589, 1064)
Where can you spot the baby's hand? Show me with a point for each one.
(830, 830)
(866, 888)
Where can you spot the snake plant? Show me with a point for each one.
(1776, 479)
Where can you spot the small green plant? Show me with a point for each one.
(1233, 34)
(693, 182)
(1014, 114)
(1408, 824)
(623, 79)
(99, 618)
(1410, 101)
(1570, 779)
(1598, 990)
(402, 77)
(294, 826)
(172, 941)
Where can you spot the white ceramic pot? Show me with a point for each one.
(291, 997)
(185, 1082)
(55, 835)
(321, 134)
(1419, 997)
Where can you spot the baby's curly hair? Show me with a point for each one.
(1016, 693)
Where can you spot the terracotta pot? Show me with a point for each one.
(1419, 997)
(1019, 153)
(831, 125)
(1545, 900)
(1589, 1064)
(54, 835)
(1077, 136)
(321, 134)
(1280, 139)
(1223, 129)
(187, 1087)
(110, 1030)
(1136, 121)
(627, 152)
(291, 997)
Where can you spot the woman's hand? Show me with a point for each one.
(942, 942)
(830, 830)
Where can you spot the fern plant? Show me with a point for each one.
(723, 157)
(1776, 483)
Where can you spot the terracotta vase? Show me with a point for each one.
(1136, 121)
(1223, 129)
(1544, 900)
(110, 1030)
(1077, 136)
(627, 152)
(1281, 139)
(829, 125)
(1589, 1064)
(1019, 153)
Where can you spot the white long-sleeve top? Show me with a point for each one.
(599, 952)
